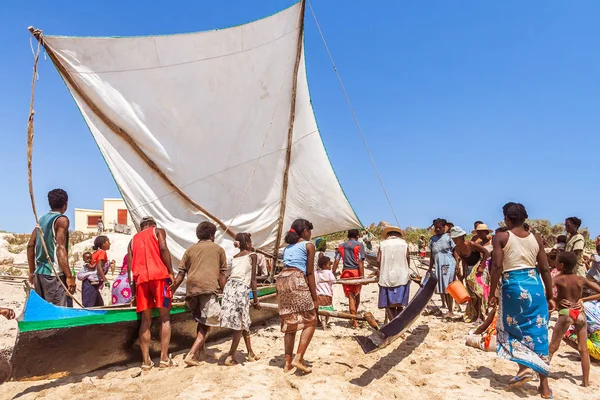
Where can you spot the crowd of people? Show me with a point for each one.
(513, 285)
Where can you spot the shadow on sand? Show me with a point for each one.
(386, 363)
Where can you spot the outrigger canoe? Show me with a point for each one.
(58, 341)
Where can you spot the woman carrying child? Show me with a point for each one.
(235, 304)
(93, 281)
(324, 280)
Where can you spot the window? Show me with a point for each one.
(92, 220)
(122, 217)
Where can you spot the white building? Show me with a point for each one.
(114, 215)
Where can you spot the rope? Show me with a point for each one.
(30, 136)
(353, 114)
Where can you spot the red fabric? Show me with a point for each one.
(153, 294)
(147, 265)
(356, 253)
(348, 289)
(574, 314)
(341, 251)
(99, 255)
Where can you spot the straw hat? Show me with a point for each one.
(386, 231)
(457, 232)
(481, 227)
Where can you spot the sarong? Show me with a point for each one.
(235, 306)
(393, 296)
(296, 307)
(90, 294)
(478, 287)
(523, 320)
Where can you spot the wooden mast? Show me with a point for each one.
(288, 153)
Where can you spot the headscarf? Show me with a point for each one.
(321, 244)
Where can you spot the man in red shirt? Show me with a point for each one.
(152, 278)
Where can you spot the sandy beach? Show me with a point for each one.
(430, 362)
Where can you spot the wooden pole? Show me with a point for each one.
(288, 153)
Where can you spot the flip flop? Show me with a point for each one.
(518, 381)
(549, 397)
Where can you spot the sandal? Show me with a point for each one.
(518, 381)
(147, 367)
(549, 397)
(167, 364)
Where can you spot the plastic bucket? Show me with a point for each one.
(458, 292)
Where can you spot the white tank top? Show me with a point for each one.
(241, 269)
(393, 270)
(520, 253)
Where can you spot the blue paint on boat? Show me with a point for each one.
(38, 309)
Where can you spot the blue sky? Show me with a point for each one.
(466, 105)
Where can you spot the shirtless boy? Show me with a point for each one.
(569, 298)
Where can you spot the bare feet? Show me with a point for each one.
(354, 324)
(230, 361)
(253, 357)
(299, 364)
(288, 367)
(191, 361)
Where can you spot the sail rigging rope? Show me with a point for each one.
(30, 136)
(364, 140)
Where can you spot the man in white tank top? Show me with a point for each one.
(394, 282)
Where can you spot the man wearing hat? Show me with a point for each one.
(482, 234)
(394, 282)
(152, 277)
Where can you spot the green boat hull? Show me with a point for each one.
(58, 341)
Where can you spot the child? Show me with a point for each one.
(422, 245)
(561, 242)
(569, 299)
(235, 304)
(554, 272)
(593, 266)
(324, 280)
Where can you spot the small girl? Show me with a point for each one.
(235, 304)
(324, 280)
(90, 288)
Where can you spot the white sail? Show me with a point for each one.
(200, 106)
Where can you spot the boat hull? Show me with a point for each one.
(87, 340)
